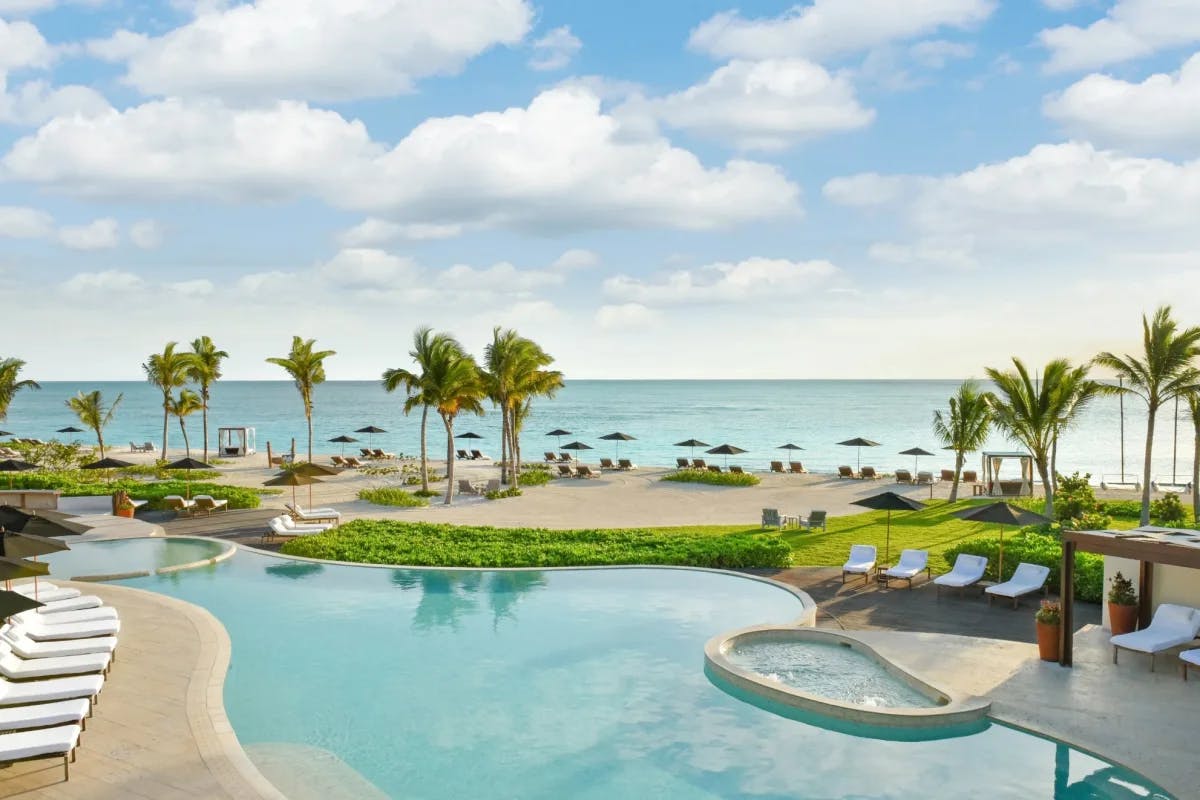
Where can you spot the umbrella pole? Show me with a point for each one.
(887, 548)
(310, 504)
(1000, 566)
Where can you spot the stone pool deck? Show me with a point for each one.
(160, 730)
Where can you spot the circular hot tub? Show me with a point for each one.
(115, 559)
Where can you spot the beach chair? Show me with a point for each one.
(1172, 626)
(682, 463)
(777, 466)
(311, 516)
(44, 715)
(353, 463)
(550, 458)
(912, 563)
(969, 476)
(56, 742)
(903, 476)
(585, 471)
(869, 474)
(81, 603)
(565, 458)
(465, 487)
(377, 453)
(493, 485)
(607, 463)
(462, 455)
(565, 471)
(147, 447)
(1189, 659)
(948, 475)
(846, 472)
(736, 470)
(968, 570)
(15, 668)
(815, 519)
(365, 452)
(71, 626)
(84, 687)
(714, 468)
(208, 504)
(924, 478)
(135, 448)
(860, 562)
(177, 504)
(625, 464)
(338, 461)
(699, 463)
(478, 456)
(796, 468)
(46, 591)
(1026, 579)
(771, 518)
(30, 649)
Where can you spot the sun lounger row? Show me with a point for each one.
(145, 447)
(284, 525)
(794, 467)
(582, 471)
(368, 452)
(621, 464)
(201, 502)
(471, 455)
(349, 461)
(771, 518)
(968, 570)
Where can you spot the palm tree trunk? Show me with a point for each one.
(166, 419)
(1043, 472)
(424, 451)
(505, 450)
(958, 465)
(1151, 412)
(308, 416)
(187, 448)
(1054, 463)
(449, 423)
(100, 441)
(204, 411)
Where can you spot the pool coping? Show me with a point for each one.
(953, 708)
(229, 549)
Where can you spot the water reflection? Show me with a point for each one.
(295, 570)
(1109, 783)
(506, 591)
(448, 597)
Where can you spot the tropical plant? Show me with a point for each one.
(965, 428)
(515, 374)
(11, 383)
(204, 371)
(93, 413)
(425, 346)
(1168, 511)
(187, 403)
(1075, 504)
(1121, 591)
(1035, 411)
(1164, 370)
(167, 371)
(307, 368)
(451, 386)
(1049, 613)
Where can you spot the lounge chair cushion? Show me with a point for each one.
(911, 564)
(14, 667)
(25, 647)
(39, 716)
(44, 742)
(1173, 625)
(862, 559)
(1191, 657)
(41, 631)
(49, 690)
(46, 592)
(968, 569)
(80, 603)
(1026, 578)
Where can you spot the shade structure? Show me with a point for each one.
(370, 430)
(726, 450)
(558, 433)
(69, 429)
(14, 544)
(789, 446)
(188, 464)
(343, 440)
(859, 443)
(49, 523)
(915, 452)
(5, 433)
(1002, 514)
(889, 502)
(576, 446)
(691, 445)
(13, 568)
(618, 437)
(12, 465)
(14, 603)
(108, 463)
(293, 479)
(311, 470)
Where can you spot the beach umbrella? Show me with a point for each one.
(69, 429)
(107, 464)
(618, 437)
(311, 470)
(576, 446)
(859, 442)
(48, 523)
(370, 430)
(558, 433)
(1002, 514)
(726, 450)
(14, 603)
(691, 445)
(14, 544)
(791, 448)
(5, 433)
(293, 479)
(889, 501)
(915, 452)
(11, 465)
(343, 440)
(468, 435)
(188, 464)
(13, 568)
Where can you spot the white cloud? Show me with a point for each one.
(25, 223)
(146, 234)
(321, 49)
(500, 277)
(724, 282)
(200, 287)
(1161, 111)
(109, 282)
(864, 189)
(35, 102)
(22, 46)
(18, 8)
(373, 232)
(830, 28)
(762, 105)
(626, 316)
(576, 259)
(940, 253)
(936, 53)
(100, 234)
(366, 268)
(1131, 29)
(120, 46)
(555, 50)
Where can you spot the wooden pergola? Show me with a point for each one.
(1148, 546)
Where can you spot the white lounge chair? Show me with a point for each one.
(912, 563)
(968, 570)
(316, 515)
(861, 562)
(208, 504)
(42, 715)
(1026, 579)
(1189, 659)
(47, 592)
(27, 648)
(1172, 626)
(294, 527)
(16, 694)
(92, 614)
(176, 503)
(59, 742)
(39, 630)
(15, 668)
(80, 603)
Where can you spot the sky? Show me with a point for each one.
(675, 189)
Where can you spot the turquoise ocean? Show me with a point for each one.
(757, 416)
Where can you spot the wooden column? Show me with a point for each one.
(1067, 600)
(1145, 592)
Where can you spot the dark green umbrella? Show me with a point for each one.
(343, 440)
(576, 446)
(5, 433)
(293, 479)
(69, 429)
(889, 501)
(17, 544)
(311, 470)
(618, 437)
(371, 430)
(726, 450)
(107, 464)
(1002, 514)
(11, 465)
(859, 442)
(691, 445)
(49, 523)
(915, 452)
(558, 433)
(188, 464)
(13, 568)
(14, 603)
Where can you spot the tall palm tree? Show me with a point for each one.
(1164, 370)
(453, 385)
(964, 428)
(307, 368)
(1035, 411)
(425, 346)
(1193, 401)
(11, 383)
(168, 371)
(187, 403)
(93, 413)
(515, 375)
(204, 372)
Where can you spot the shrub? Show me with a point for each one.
(390, 496)
(429, 544)
(78, 483)
(535, 475)
(1123, 509)
(1037, 548)
(1121, 592)
(500, 494)
(712, 478)
(1076, 506)
(427, 493)
(53, 455)
(156, 472)
(1049, 613)
(1168, 511)
(378, 471)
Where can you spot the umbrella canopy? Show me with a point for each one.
(789, 446)
(859, 442)
(311, 470)
(1001, 514)
(14, 603)
(915, 452)
(23, 545)
(343, 440)
(726, 450)
(188, 464)
(69, 429)
(12, 568)
(11, 465)
(107, 463)
(468, 435)
(889, 501)
(576, 446)
(558, 432)
(14, 519)
(5, 433)
(291, 478)
(370, 429)
(691, 445)
(618, 437)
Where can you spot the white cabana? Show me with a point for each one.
(235, 442)
(1009, 486)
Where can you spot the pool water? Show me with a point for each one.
(123, 556)
(561, 684)
(828, 670)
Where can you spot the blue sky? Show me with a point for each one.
(835, 188)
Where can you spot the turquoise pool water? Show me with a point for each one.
(122, 556)
(564, 684)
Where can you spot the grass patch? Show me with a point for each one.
(80, 483)
(535, 475)
(712, 478)
(427, 544)
(389, 496)
(500, 494)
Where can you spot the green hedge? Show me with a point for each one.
(712, 478)
(1036, 548)
(69, 483)
(388, 496)
(428, 544)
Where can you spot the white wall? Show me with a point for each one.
(1171, 584)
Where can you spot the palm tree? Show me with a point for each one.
(453, 385)
(965, 428)
(307, 368)
(1035, 411)
(204, 372)
(168, 371)
(11, 383)
(187, 403)
(425, 345)
(1193, 401)
(1165, 370)
(92, 412)
(514, 376)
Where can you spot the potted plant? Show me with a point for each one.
(1122, 605)
(122, 507)
(1049, 624)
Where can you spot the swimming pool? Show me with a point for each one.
(560, 684)
(111, 557)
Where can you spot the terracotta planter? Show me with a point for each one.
(1047, 638)
(125, 512)
(1122, 619)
